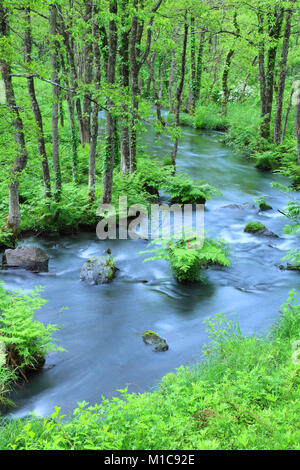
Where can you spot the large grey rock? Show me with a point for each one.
(27, 257)
(98, 270)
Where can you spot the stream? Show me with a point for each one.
(102, 327)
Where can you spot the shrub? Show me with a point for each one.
(184, 190)
(26, 340)
(187, 262)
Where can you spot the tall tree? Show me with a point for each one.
(36, 108)
(180, 89)
(110, 150)
(282, 77)
(20, 161)
(55, 104)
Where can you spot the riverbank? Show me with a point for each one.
(245, 395)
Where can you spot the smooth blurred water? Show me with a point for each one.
(102, 328)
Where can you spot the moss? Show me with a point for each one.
(254, 227)
(149, 337)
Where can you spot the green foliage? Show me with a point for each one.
(184, 190)
(187, 257)
(25, 340)
(209, 117)
(244, 396)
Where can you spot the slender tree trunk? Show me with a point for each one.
(68, 42)
(125, 81)
(193, 91)
(173, 68)
(20, 162)
(275, 22)
(156, 91)
(36, 109)
(95, 112)
(287, 114)
(282, 77)
(110, 150)
(246, 80)
(179, 92)
(297, 119)
(88, 71)
(226, 91)
(134, 69)
(55, 105)
(198, 78)
(262, 73)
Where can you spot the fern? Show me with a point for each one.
(187, 262)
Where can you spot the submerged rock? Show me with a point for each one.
(27, 257)
(290, 267)
(244, 206)
(264, 206)
(99, 270)
(153, 339)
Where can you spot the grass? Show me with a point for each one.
(244, 395)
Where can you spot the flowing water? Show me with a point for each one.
(102, 327)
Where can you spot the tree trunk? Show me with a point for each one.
(95, 112)
(124, 79)
(287, 114)
(156, 91)
(297, 119)
(36, 109)
(88, 71)
(55, 105)
(275, 22)
(14, 217)
(226, 91)
(110, 150)
(282, 77)
(173, 77)
(179, 92)
(198, 78)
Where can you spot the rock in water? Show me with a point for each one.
(98, 270)
(27, 257)
(151, 338)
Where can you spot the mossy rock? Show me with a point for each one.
(254, 227)
(264, 206)
(153, 339)
(99, 270)
(257, 228)
(290, 267)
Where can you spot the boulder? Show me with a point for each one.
(153, 339)
(27, 257)
(98, 270)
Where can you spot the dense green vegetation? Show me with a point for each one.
(24, 342)
(245, 395)
(230, 66)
